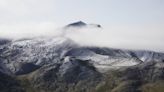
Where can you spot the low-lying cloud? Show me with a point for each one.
(120, 37)
(145, 38)
(28, 30)
(130, 25)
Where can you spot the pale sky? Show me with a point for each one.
(141, 21)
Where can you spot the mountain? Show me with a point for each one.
(81, 24)
(58, 64)
(77, 24)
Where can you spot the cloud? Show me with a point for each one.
(18, 31)
(129, 25)
(124, 37)
(20, 11)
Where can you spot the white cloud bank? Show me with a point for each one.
(31, 18)
(146, 38)
(121, 37)
(18, 31)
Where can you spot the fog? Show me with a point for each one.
(28, 30)
(120, 37)
(114, 37)
(127, 24)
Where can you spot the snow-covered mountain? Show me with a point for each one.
(33, 53)
(60, 56)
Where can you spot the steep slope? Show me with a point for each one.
(9, 84)
(34, 53)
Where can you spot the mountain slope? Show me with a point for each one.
(38, 52)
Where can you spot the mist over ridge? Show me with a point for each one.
(88, 35)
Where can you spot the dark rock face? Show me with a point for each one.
(4, 41)
(77, 24)
(3, 68)
(9, 84)
(25, 68)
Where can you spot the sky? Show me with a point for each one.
(134, 24)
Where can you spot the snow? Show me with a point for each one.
(43, 51)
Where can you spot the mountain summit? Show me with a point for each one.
(82, 24)
(77, 24)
